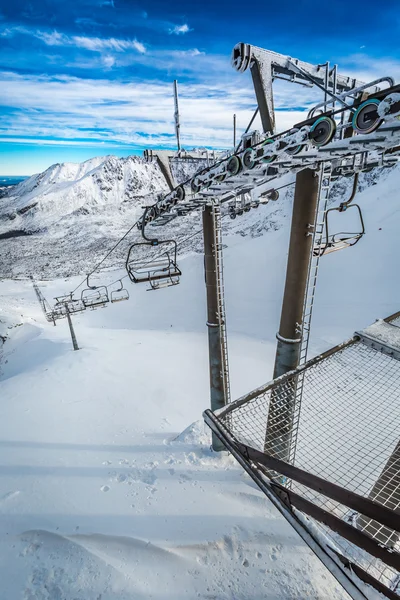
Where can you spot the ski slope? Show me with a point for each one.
(108, 488)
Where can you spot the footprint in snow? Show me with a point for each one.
(104, 488)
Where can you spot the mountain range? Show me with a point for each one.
(63, 221)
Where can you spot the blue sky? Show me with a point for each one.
(90, 77)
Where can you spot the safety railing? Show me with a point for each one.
(334, 457)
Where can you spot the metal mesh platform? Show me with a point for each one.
(344, 428)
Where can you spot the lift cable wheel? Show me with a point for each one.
(366, 119)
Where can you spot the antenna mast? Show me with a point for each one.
(176, 115)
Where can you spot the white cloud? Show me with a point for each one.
(42, 142)
(139, 46)
(95, 44)
(52, 39)
(192, 52)
(180, 29)
(113, 112)
(108, 61)
(99, 44)
(366, 68)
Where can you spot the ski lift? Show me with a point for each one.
(66, 304)
(160, 272)
(120, 294)
(94, 296)
(343, 239)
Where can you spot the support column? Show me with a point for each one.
(282, 403)
(300, 246)
(71, 329)
(217, 393)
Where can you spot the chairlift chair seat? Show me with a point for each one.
(157, 285)
(66, 304)
(119, 295)
(334, 246)
(342, 240)
(95, 297)
(163, 268)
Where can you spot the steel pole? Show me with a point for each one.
(71, 329)
(282, 403)
(176, 116)
(234, 130)
(300, 246)
(217, 393)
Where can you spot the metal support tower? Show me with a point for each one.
(46, 308)
(282, 406)
(71, 329)
(300, 248)
(265, 66)
(217, 338)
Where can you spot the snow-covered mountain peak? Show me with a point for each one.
(70, 189)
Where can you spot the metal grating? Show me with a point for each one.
(346, 431)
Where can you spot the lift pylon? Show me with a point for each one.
(216, 320)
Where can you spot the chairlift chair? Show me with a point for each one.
(120, 294)
(95, 297)
(162, 269)
(69, 304)
(341, 240)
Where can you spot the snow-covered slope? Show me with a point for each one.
(101, 494)
(51, 222)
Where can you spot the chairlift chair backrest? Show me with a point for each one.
(95, 297)
(120, 294)
(66, 304)
(163, 267)
(343, 239)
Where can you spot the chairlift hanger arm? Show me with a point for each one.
(344, 205)
(92, 287)
(152, 241)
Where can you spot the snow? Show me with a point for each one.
(108, 486)
(387, 103)
(384, 332)
(101, 495)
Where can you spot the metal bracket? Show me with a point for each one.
(282, 494)
(378, 345)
